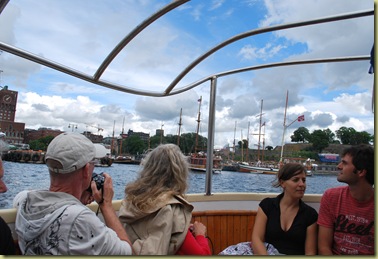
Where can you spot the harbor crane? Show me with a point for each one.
(96, 127)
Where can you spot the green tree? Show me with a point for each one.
(330, 135)
(300, 135)
(269, 148)
(245, 144)
(362, 137)
(155, 141)
(41, 143)
(135, 145)
(345, 135)
(319, 140)
(188, 140)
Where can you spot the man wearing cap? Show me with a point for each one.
(57, 222)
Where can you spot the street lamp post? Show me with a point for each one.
(72, 126)
(161, 133)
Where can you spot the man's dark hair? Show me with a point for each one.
(362, 158)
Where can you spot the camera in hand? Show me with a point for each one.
(99, 180)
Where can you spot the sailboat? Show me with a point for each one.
(259, 167)
(124, 159)
(197, 160)
(232, 165)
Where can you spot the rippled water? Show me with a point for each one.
(21, 176)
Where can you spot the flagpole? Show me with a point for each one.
(284, 127)
(300, 118)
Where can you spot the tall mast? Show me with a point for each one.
(198, 123)
(161, 133)
(233, 155)
(263, 149)
(112, 147)
(284, 126)
(258, 150)
(120, 146)
(247, 153)
(242, 149)
(179, 131)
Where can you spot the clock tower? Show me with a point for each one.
(8, 102)
(14, 131)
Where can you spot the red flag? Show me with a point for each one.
(301, 118)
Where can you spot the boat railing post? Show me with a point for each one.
(210, 135)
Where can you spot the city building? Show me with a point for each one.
(143, 136)
(32, 134)
(14, 131)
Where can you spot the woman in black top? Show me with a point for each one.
(285, 221)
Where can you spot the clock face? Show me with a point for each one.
(7, 98)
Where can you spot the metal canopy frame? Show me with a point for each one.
(170, 90)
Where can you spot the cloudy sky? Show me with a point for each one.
(80, 33)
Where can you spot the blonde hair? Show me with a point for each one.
(165, 171)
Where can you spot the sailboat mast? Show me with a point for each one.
(198, 123)
(284, 127)
(242, 153)
(247, 153)
(233, 155)
(120, 146)
(112, 147)
(263, 149)
(258, 150)
(179, 131)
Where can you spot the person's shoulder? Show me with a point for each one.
(268, 201)
(336, 190)
(309, 209)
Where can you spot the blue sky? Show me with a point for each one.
(79, 34)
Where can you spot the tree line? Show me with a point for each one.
(135, 145)
(320, 139)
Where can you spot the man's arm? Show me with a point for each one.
(325, 241)
(109, 214)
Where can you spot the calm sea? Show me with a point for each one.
(25, 176)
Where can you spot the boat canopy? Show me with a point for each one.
(180, 83)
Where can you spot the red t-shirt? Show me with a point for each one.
(194, 245)
(352, 221)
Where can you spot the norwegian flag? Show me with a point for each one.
(301, 118)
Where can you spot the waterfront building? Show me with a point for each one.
(32, 134)
(14, 131)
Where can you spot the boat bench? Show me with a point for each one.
(226, 227)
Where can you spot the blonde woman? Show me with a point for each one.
(155, 213)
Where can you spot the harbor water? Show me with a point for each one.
(28, 176)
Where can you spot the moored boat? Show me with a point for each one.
(233, 167)
(24, 156)
(197, 163)
(126, 160)
(245, 167)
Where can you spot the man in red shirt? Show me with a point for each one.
(346, 214)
